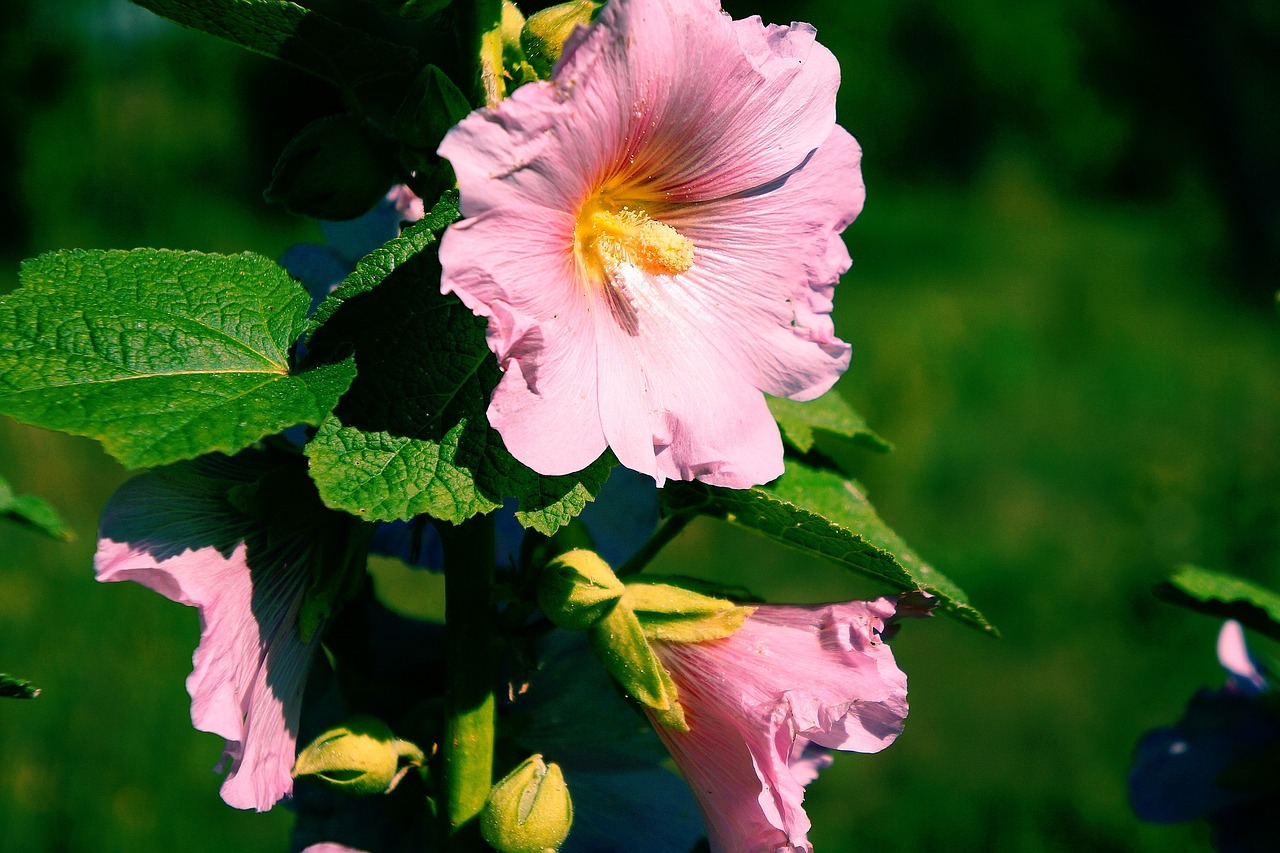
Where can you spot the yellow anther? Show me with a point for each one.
(607, 239)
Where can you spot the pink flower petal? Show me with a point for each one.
(746, 248)
(174, 532)
(672, 407)
(756, 700)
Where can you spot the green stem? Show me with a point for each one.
(470, 661)
(667, 530)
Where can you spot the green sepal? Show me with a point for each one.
(831, 414)
(359, 757)
(334, 168)
(620, 644)
(1226, 597)
(32, 512)
(672, 614)
(160, 355)
(12, 687)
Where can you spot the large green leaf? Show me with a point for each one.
(411, 436)
(823, 513)
(1225, 596)
(159, 355)
(31, 511)
(292, 34)
(829, 413)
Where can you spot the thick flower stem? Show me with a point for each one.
(470, 661)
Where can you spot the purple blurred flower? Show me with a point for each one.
(1221, 761)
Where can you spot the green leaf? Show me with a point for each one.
(291, 33)
(1225, 596)
(12, 687)
(159, 355)
(410, 10)
(822, 513)
(31, 511)
(829, 413)
(411, 436)
(432, 105)
(335, 168)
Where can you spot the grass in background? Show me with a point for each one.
(1079, 404)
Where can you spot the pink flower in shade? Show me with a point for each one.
(763, 703)
(175, 532)
(654, 237)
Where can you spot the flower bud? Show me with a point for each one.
(529, 811)
(545, 32)
(578, 589)
(361, 756)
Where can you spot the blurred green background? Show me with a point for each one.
(1063, 315)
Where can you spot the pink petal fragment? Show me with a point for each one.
(172, 532)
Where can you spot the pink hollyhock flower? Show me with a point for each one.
(762, 703)
(174, 531)
(654, 237)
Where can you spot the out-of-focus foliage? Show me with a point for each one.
(1060, 309)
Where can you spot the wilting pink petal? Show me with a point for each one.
(653, 235)
(761, 702)
(174, 531)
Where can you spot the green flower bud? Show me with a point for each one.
(360, 757)
(529, 811)
(578, 589)
(545, 32)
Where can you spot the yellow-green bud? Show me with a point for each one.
(529, 811)
(545, 32)
(578, 589)
(361, 756)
